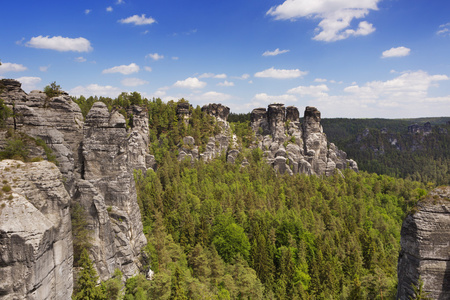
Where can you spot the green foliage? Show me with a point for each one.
(86, 284)
(5, 113)
(419, 293)
(112, 288)
(15, 148)
(221, 231)
(81, 235)
(52, 90)
(384, 146)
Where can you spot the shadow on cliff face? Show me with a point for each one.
(446, 283)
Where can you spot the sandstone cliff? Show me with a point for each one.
(425, 248)
(36, 253)
(294, 147)
(96, 158)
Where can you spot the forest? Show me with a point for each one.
(218, 230)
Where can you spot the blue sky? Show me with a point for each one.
(348, 58)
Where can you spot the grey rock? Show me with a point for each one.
(425, 248)
(217, 110)
(36, 255)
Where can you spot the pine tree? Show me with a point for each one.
(86, 285)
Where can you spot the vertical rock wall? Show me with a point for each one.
(96, 159)
(425, 248)
(36, 254)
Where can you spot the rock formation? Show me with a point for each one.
(96, 158)
(293, 147)
(217, 144)
(425, 247)
(36, 254)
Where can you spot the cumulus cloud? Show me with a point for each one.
(280, 73)
(226, 83)
(275, 52)
(109, 9)
(312, 90)
(44, 68)
(95, 90)
(243, 77)
(11, 67)
(408, 86)
(155, 56)
(335, 16)
(29, 83)
(87, 11)
(60, 43)
(190, 83)
(138, 20)
(124, 69)
(133, 81)
(148, 69)
(320, 80)
(396, 52)
(210, 97)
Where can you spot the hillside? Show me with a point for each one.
(418, 149)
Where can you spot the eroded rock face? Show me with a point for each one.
(217, 110)
(36, 254)
(304, 147)
(96, 158)
(425, 248)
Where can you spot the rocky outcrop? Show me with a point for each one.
(425, 247)
(96, 158)
(217, 144)
(293, 147)
(36, 254)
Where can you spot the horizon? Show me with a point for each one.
(358, 60)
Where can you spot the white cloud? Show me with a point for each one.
(263, 98)
(242, 77)
(133, 82)
(409, 86)
(138, 20)
(11, 67)
(80, 59)
(95, 90)
(155, 56)
(124, 69)
(120, 2)
(175, 58)
(226, 83)
(444, 30)
(29, 83)
(212, 75)
(280, 74)
(335, 15)
(275, 52)
(396, 52)
(148, 69)
(190, 83)
(320, 80)
(87, 11)
(312, 90)
(109, 9)
(60, 43)
(44, 68)
(210, 97)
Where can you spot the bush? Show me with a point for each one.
(53, 90)
(15, 149)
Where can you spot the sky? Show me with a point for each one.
(348, 58)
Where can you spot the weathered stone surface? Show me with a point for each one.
(425, 247)
(36, 254)
(304, 145)
(96, 159)
(183, 112)
(217, 110)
